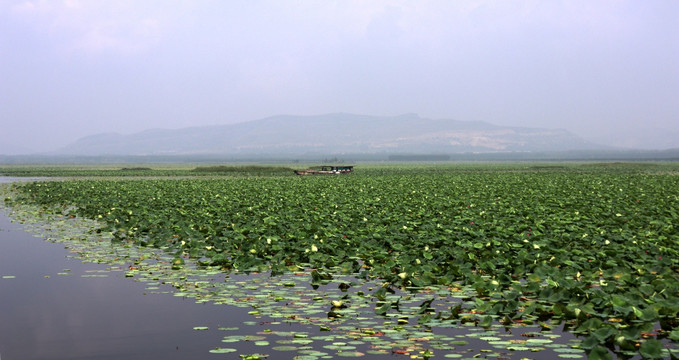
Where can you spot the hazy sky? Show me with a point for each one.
(73, 68)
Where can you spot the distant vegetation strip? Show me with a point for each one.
(245, 169)
(361, 169)
(145, 171)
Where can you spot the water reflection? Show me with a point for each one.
(11, 179)
(50, 316)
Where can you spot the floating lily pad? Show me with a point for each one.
(285, 348)
(539, 341)
(569, 350)
(227, 328)
(350, 354)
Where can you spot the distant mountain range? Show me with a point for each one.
(333, 134)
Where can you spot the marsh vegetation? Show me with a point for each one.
(414, 260)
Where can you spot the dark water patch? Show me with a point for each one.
(13, 179)
(76, 316)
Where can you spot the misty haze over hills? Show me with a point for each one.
(638, 138)
(604, 71)
(333, 134)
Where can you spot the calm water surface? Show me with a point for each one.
(11, 179)
(44, 315)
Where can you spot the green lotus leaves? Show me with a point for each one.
(674, 335)
(651, 349)
(591, 248)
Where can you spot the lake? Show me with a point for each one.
(56, 307)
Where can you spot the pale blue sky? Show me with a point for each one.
(598, 68)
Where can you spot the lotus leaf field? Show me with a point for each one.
(590, 250)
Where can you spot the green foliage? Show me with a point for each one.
(599, 353)
(245, 170)
(651, 349)
(595, 246)
(100, 171)
(137, 168)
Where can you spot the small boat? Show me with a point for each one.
(326, 170)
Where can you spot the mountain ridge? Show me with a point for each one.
(332, 133)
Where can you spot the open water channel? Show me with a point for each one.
(56, 307)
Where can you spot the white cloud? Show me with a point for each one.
(94, 27)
